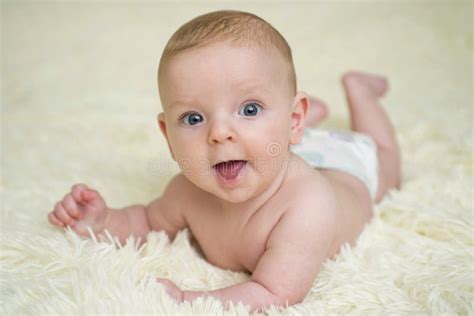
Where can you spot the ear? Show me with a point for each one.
(299, 108)
(162, 124)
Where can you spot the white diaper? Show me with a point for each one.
(351, 152)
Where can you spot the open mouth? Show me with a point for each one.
(229, 170)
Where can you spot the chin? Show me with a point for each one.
(238, 196)
(234, 196)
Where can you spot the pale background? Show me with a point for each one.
(79, 104)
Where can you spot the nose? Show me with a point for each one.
(220, 132)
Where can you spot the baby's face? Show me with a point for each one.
(222, 103)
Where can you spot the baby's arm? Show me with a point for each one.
(295, 251)
(84, 207)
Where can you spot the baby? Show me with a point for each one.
(258, 192)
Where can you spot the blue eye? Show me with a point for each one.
(192, 119)
(251, 109)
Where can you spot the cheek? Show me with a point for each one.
(274, 138)
(180, 147)
(186, 152)
(269, 150)
(189, 152)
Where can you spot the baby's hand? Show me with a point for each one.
(80, 208)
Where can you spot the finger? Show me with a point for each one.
(89, 195)
(54, 220)
(76, 192)
(62, 215)
(94, 199)
(71, 207)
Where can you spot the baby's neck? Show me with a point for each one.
(246, 209)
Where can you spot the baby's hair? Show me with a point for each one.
(237, 27)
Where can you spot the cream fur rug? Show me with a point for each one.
(79, 102)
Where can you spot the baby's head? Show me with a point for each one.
(227, 85)
(235, 28)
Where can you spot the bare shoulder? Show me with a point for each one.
(178, 186)
(313, 203)
(302, 238)
(168, 212)
(310, 191)
(311, 212)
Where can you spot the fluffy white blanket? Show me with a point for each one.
(79, 105)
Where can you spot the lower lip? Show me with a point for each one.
(232, 182)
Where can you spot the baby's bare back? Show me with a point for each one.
(237, 240)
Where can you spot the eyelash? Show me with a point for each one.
(258, 106)
(182, 117)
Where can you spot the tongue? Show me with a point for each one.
(230, 169)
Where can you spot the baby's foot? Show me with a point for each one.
(363, 82)
(317, 111)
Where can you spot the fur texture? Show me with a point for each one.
(79, 105)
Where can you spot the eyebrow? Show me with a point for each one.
(181, 103)
(259, 86)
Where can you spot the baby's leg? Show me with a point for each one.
(367, 116)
